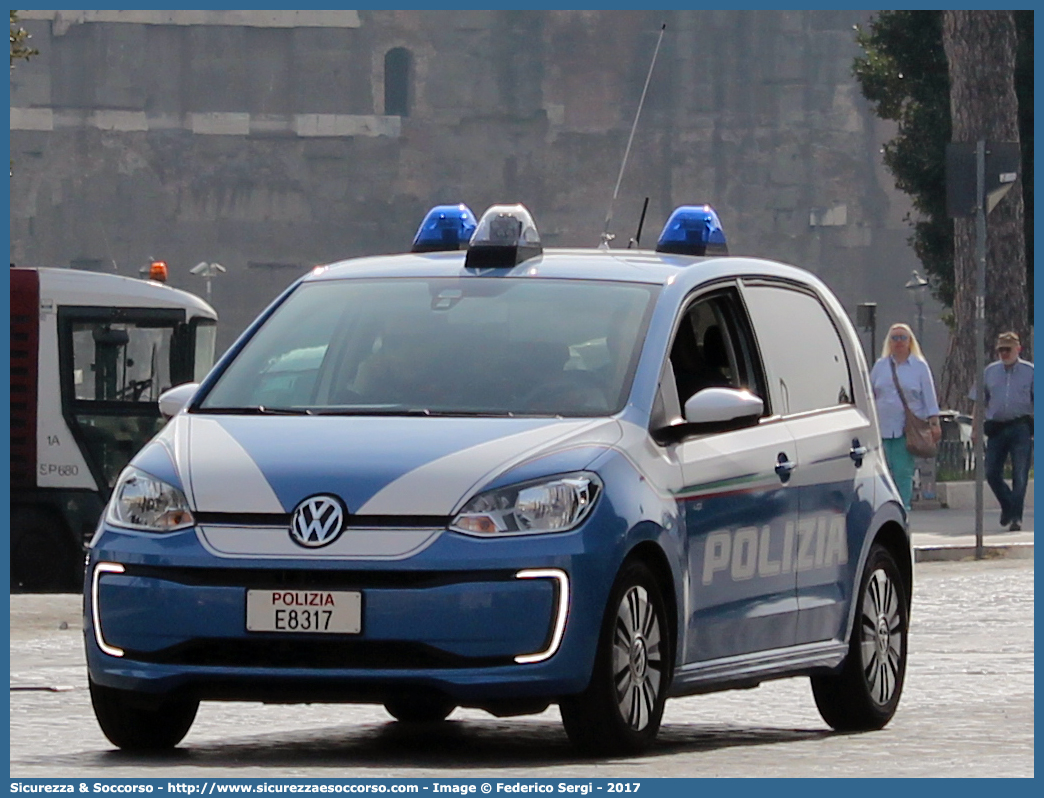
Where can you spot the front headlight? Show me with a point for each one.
(141, 501)
(548, 505)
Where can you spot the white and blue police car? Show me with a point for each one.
(487, 474)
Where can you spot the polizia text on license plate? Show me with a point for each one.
(312, 611)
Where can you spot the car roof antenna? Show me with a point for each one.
(641, 221)
(606, 235)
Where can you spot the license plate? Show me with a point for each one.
(309, 611)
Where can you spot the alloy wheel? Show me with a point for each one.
(881, 641)
(637, 658)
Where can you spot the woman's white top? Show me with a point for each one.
(918, 386)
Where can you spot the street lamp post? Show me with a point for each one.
(919, 286)
(207, 271)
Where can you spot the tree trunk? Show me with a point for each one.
(980, 47)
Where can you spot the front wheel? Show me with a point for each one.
(865, 694)
(138, 727)
(620, 711)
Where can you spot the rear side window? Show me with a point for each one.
(804, 358)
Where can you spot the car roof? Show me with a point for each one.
(637, 266)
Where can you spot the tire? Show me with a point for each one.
(44, 558)
(420, 709)
(620, 711)
(864, 695)
(139, 728)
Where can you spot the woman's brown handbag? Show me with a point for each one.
(918, 431)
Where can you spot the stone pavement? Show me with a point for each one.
(949, 534)
(967, 711)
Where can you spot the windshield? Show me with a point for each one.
(478, 346)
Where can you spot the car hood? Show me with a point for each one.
(377, 466)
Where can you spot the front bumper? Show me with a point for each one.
(476, 620)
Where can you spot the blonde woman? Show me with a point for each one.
(902, 350)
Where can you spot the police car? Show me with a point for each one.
(487, 474)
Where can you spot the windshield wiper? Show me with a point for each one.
(357, 410)
(473, 413)
(402, 410)
(258, 410)
(369, 410)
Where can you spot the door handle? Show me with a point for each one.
(784, 465)
(857, 452)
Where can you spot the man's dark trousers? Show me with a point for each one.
(1014, 439)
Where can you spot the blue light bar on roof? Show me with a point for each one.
(445, 228)
(693, 230)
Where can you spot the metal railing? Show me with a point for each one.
(955, 461)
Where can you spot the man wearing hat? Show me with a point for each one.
(1008, 386)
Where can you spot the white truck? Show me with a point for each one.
(90, 355)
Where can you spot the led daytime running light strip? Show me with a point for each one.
(99, 569)
(560, 617)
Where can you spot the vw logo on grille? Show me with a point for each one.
(317, 521)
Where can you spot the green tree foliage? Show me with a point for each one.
(903, 73)
(19, 48)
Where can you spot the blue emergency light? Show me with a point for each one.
(445, 228)
(693, 230)
(505, 236)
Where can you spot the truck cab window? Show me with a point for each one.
(120, 361)
(114, 365)
(205, 347)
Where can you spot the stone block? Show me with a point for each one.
(121, 121)
(32, 119)
(342, 125)
(325, 18)
(788, 168)
(834, 216)
(220, 124)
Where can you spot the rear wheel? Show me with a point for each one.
(865, 694)
(620, 711)
(138, 727)
(420, 709)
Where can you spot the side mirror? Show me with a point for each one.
(722, 405)
(173, 401)
(714, 410)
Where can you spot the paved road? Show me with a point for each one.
(967, 711)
